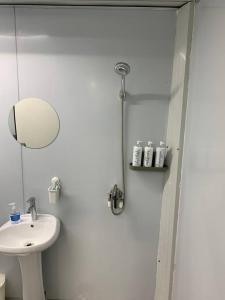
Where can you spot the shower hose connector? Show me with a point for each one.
(116, 200)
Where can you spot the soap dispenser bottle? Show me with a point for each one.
(148, 155)
(14, 215)
(137, 154)
(161, 152)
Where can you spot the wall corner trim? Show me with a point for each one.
(175, 139)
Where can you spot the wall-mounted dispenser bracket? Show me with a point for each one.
(54, 190)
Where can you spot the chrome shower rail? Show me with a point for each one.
(116, 196)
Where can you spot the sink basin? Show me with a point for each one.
(27, 240)
(29, 236)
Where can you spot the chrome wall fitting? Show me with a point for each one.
(116, 200)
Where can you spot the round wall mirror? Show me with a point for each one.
(33, 123)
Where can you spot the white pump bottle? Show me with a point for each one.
(137, 154)
(161, 152)
(148, 155)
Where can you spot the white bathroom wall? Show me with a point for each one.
(67, 56)
(10, 154)
(200, 263)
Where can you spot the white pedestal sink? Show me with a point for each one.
(27, 240)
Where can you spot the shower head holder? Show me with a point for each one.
(122, 69)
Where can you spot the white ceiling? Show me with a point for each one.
(168, 3)
(213, 3)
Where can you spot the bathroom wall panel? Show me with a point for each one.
(10, 159)
(67, 56)
(200, 263)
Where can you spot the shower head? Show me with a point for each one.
(122, 68)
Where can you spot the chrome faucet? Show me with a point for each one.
(32, 208)
(116, 200)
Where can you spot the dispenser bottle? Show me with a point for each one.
(137, 154)
(14, 215)
(54, 190)
(148, 155)
(160, 155)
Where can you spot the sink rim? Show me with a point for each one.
(40, 246)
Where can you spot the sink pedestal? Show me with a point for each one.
(31, 270)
